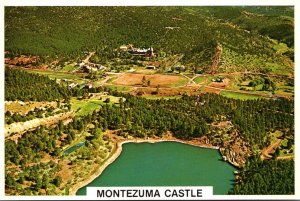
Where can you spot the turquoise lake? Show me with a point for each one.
(167, 164)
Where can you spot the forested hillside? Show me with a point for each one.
(255, 41)
(187, 117)
(21, 85)
(86, 61)
(268, 177)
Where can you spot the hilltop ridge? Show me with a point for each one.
(252, 38)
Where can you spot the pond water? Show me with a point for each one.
(167, 164)
(73, 148)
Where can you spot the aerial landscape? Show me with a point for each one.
(149, 96)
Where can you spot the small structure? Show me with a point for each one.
(179, 68)
(72, 85)
(151, 67)
(139, 52)
(123, 48)
(224, 158)
(218, 79)
(131, 70)
(89, 85)
(91, 67)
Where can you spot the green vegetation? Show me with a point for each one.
(199, 79)
(190, 33)
(87, 106)
(83, 107)
(241, 96)
(256, 40)
(36, 113)
(187, 117)
(69, 68)
(268, 177)
(21, 85)
(119, 88)
(265, 20)
(59, 75)
(286, 147)
(28, 173)
(183, 81)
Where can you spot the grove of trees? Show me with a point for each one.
(70, 32)
(21, 85)
(268, 177)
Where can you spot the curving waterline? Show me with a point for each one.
(117, 153)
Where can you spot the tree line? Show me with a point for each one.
(21, 85)
(267, 177)
(57, 31)
(187, 117)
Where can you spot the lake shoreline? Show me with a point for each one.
(118, 151)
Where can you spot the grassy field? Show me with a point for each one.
(112, 78)
(183, 81)
(24, 107)
(284, 151)
(69, 68)
(199, 79)
(279, 69)
(241, 96)
(60, 75)
(281, 48)
(86, 106)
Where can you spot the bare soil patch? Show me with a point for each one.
(66, 172)
(268, 151)
(133, 79)
(212, 90)
(175, 91)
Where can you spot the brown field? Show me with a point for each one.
(146, 91)
(24, 107)
(212, 90)
(133, 79)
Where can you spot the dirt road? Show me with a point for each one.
(265, 153)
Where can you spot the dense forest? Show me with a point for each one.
(190, 116)
(275, 22)
(21, 85)
(254, 41)
(268, 177)
(187, 117)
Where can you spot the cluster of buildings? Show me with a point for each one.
(146, 52)
(71, 85)
(90, 67)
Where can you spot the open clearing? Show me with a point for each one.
(132, 79)
(237, 95)
(78, 77)
(86, 106)
(23, 108)
(200, 79)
